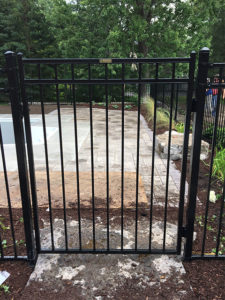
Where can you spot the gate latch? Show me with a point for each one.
(194, 105)
(184, 231)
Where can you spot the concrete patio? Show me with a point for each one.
(99, 138)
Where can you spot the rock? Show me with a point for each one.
(176, 149)
(212, 197)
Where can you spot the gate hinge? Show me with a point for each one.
(194, 105)
(184, 231)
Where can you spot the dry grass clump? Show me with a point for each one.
(162, 115)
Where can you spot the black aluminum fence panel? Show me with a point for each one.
(203, 216)
(81, 74)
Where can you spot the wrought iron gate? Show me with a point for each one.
(24, 74)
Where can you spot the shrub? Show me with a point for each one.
(162, 115)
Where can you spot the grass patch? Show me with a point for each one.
(219, 165)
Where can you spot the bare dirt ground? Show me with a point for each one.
(85, 181)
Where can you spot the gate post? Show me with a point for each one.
(17, 115)
(196, 147)
(29, 151)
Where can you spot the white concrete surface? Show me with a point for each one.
(99, 140)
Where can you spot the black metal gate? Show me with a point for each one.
(25, 74)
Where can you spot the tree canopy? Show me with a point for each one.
(111, 28)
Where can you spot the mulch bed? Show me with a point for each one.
(213, 212)
(19, 274)
(206, 278)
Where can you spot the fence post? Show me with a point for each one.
(196, 147)
(17, 115)
(30, 153)
(191, 77)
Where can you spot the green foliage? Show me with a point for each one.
(128, 106)
(220, 135)
(218, 33)
(102, 104)
(179, 127)
(115, 106)
(162, 115)
(4, 243)
(199, 220)
(108, 28)
(219, 165)
(2, 225)
(5, 288)
(23, 28)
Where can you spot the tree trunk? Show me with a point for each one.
(143, 49)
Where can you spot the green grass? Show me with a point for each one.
(219, 165)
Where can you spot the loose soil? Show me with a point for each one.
(19, 274)
(85, 184)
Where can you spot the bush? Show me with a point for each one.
(162, 115)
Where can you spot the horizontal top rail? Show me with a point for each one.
(104, 81)
(104, 60)
(217, 85)
(217, 65)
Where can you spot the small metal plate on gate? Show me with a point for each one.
(105, 60)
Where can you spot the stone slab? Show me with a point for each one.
(176, 149)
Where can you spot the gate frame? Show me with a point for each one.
(17, 91)
(199, 105)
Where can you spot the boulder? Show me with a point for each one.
(176, 148)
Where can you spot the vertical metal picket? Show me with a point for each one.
(17, 115)
(196, 147)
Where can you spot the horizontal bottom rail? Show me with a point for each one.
(105, 251)
(7, 258)
(209, 256)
